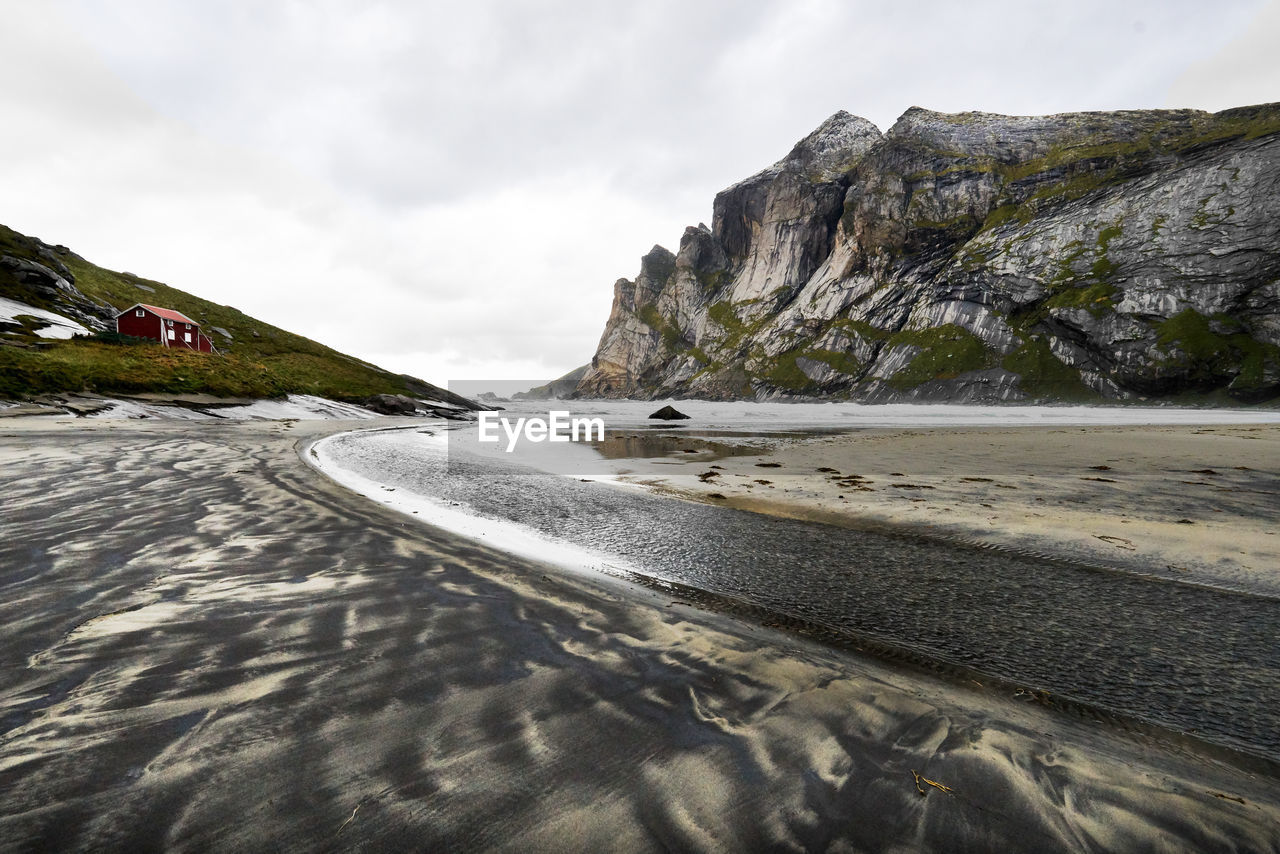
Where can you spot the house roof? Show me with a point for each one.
(166, 313)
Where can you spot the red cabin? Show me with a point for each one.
(171, 328)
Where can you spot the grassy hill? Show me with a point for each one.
(256, 359)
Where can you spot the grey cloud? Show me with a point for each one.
(450, 144)
(1244, 71)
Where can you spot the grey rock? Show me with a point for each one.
(452, 407)
(50, 286)
(974, 257)
(82, 406)
(22, 409)
(391, 404)
(34, 274)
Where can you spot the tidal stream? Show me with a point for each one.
(1183, 657)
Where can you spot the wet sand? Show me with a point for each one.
(208, 646)
(1193, 503)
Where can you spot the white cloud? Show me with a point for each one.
(451, 189)
(1245, 71)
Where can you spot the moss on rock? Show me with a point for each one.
(1207, 356)
(945, 353)
(1041, 374)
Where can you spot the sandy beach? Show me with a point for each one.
(1195, 503)
(207, 645)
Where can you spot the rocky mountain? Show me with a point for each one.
(57, 316)
(974, 258)
(557, 389)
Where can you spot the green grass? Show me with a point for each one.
(785, 374)
(93, 366)
(1207, 356)
(724, 315)
(1189, 332)
(1070, 288)
(945, 353)
(861, 328)
(1042, 375)
(1005, 213)
(700, 354)
(271, 363)
(1097, 298)
(664, 326)
(838, 360)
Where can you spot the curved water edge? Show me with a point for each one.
(841, 415)
(1193, 660)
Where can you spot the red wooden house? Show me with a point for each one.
(171, 328)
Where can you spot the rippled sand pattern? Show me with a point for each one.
(206, 646)
(1184, 656)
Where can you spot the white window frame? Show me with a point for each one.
(142, 312)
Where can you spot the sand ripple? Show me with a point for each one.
(316, 673)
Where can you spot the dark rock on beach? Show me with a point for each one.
(669, 413)
(391, 404)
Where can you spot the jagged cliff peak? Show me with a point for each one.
(830, 152)
(976, 256)
(833, 148)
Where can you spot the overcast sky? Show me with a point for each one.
(451, 189)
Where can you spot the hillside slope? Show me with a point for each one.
(974, 257)
(558, 389)
(255, 359)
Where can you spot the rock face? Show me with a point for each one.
(977, 258)
(557, 389)
(36, 275)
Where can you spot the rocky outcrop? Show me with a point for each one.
(557, 389)
(391, 404)
(400, 404)
(974, 257)
(34, 273)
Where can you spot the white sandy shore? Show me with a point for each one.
(1201, 503)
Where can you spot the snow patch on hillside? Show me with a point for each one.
(56, 326)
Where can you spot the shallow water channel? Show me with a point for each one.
(1179, 656)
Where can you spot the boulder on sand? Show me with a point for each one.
(391, 404)
(669, 413)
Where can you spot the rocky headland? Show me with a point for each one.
(974, 257)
